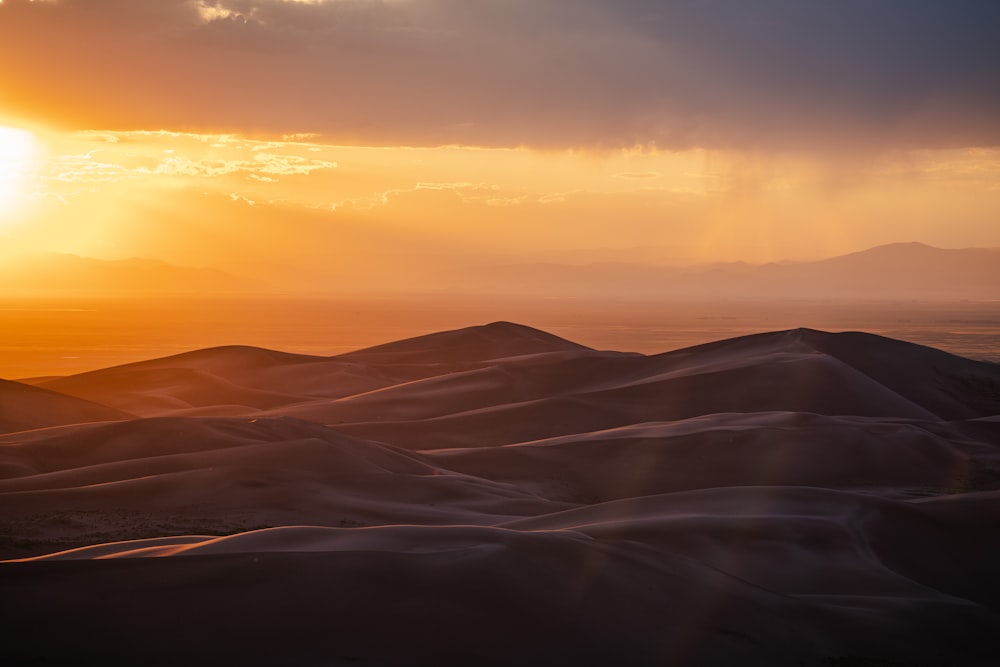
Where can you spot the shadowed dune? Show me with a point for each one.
(253, 377)
(257, 378)
(155, 391)
(23, 407)
(481, 343)
(500, 496)
(731, 450)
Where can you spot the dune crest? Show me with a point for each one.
(497, 495)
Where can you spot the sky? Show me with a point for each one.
(395, 143)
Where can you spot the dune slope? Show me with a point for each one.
(500, 496)
(24, 407)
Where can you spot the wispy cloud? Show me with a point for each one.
(133, 155)
(638, 175)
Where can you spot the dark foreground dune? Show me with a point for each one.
(499, 496)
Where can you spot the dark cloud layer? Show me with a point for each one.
(555, 73)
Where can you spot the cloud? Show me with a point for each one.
(559, 73)
(112, 157)
(638, 175)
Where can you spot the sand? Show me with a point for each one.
(499, 496)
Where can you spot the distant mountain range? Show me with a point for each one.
(894, 271)
(898, 270)
(65, 273)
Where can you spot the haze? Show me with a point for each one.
(369, 145)
(507, 152)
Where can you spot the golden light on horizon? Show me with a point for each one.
(18, 149)
(299, 206)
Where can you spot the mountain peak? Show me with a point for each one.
(906, 244)
(903, 246)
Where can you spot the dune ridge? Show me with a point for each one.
(497, 495)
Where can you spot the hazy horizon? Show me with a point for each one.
(492, 152)
(905, 270)
(67, 336)
(346, 147)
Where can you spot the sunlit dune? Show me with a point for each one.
(690, 507)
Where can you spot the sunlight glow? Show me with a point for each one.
(18, 148)
(190, 198)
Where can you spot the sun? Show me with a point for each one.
(18, 150)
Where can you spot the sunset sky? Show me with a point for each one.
(298, 141)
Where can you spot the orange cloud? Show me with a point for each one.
(303, 214)
(765, 75)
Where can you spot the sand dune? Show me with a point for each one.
(500, 496)
(154, 391)
(23, 407)
(257, 378)
(731, 450)
(250, 376)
